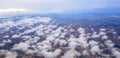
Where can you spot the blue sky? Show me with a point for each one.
(59, 5)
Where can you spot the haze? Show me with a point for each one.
(49, 6)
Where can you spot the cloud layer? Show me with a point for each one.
(43, 37)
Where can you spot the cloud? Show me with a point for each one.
(51, 54)
(104, 37)
(62, 42)
(95, 36)
(48, 39)
(102, 29)
(102, 33)
(93, 43)
(116, 53)
(71, 54)
(29, 51)
(10, 54)
(15, 36)
(72, 45)
(95, 49)
(7, 24)
(13, 11)
(21, 46)
(109, 43)
(6, 36)
(2, 44)
(7, 41)
(85, 52)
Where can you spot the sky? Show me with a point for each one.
(58, 5)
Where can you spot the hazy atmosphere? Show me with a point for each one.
(59, 5)
(59, 28)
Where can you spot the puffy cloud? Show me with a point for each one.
(93, 43)
(10, 54)
(7, 41)
(95, 35)
(21, 46)
(24, 22)
(83, 42)
(49, 54)
(73, 45)
(95, 49)
(7, 24)
(62, 42)
(29, 51)
(116, 53)
(81, 30)
(104, 37)
(2, 44)
(85, 52)
(43, 46)
(71, 54)
(109, 43)
(119, 37)
(15, 36)
(102, 33)
(45, 38)
(12, 11)
(26, 37)
(44, 19)
(6, 36)
(102, 29)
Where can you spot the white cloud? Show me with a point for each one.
(50, 54)
(83, 42)
(21, 46)
(29, 51)
(95, 36)
(85, 52)
(109, 43)
(72, 45)
(53, 36)
(116, 53)
(62, 42)
(7, 24)
(93, 43)
(95, 49)
(2, 44)
(6, 36)
(10, 54)
(7, 41)
(13, 11)
(102, 29)
(44, 19)
(71, 54)
(15, 36)
(102, 33)
(104, 37)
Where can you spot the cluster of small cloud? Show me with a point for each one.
(8, 54)
(24, 22)
(49, 40)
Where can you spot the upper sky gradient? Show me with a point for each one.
(59, 5)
